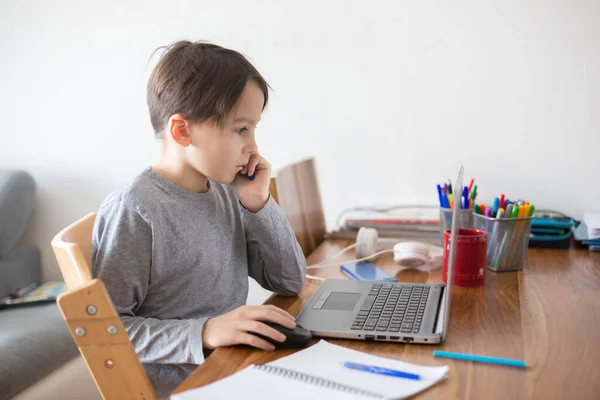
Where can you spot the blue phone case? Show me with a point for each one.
(366, 271)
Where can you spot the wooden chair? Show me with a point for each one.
(296, 189)
(93, 320)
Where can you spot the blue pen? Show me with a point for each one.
(251, 177)
(466, 196)
(483, 359)
(380, 371)
(439, 188)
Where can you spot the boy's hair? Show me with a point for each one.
(201, 81)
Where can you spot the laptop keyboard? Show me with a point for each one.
(392, 308)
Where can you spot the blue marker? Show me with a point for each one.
(439, 188)
(483, 359)
(380, 370)
(466, 197)
(495, 207)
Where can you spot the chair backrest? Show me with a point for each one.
(103, 342)
(73, 250)
(296, 190)
(93, 320)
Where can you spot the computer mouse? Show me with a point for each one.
(294, 338)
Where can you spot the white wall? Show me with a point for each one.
(390, 96)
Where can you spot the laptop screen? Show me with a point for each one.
(452, 254)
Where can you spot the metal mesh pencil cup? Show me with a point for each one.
(466, 219)
(508, 239)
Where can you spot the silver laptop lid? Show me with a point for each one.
(452, 253)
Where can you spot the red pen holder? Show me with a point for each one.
(470, 264)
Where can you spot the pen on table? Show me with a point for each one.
(483, 359)
(380, 370)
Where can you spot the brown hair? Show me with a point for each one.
(201, 81)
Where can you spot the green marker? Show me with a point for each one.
(473, 192)
(515, 212)
(531, 209)
(477, 209)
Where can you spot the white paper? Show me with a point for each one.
(321, 360)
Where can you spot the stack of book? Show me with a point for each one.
(419, 223)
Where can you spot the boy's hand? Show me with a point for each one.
(253, 194)
(233, 327)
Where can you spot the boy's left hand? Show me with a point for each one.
(253, 194)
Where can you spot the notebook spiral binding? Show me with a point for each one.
(313, 380)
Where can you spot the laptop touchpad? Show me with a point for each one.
(341, 301)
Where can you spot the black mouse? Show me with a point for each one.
(294, 338)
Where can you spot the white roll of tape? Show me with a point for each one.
(411, 254)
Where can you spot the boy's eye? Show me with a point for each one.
(241, 130)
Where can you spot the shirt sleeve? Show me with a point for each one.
(275, 259)
(122, 244)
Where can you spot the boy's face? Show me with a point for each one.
(219, 152)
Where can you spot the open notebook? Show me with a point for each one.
(316, 373)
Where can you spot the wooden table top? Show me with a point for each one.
(548, 315)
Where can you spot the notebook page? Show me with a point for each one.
(323, 360)
(251, 383)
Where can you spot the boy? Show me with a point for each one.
(175, 248)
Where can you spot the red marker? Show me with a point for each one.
(471, 185)
(502, 200)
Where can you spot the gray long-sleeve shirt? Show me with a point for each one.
(171, 259)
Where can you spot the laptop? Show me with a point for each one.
(384, 311)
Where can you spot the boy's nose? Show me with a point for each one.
(251, 148)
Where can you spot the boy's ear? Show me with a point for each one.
(179, 129)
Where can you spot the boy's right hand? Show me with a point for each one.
(232, 328)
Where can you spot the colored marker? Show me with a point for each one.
(531, 209)
(471, 185)
(380, 370)
(515, 212)
(483, 359)
(495, 206)
(474, 192)
(439, 189)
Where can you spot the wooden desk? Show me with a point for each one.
(548, 315)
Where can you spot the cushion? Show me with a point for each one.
(19, 269)
(17, 197)
(34, 341)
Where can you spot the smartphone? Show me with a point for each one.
(366, 271)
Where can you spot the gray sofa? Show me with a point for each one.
(34, 340)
